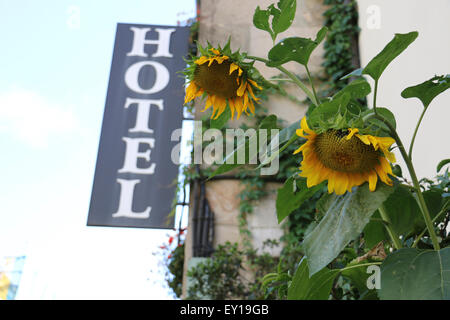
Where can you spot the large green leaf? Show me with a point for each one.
(295, 49)
(413, 274)
(345, 218)
(428, 90)
(396, 46)
(317, 287)
(292, 195)
(402, 210)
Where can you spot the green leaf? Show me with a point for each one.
(268, 123)
(396, 46)
(324, 116)
(413, 274)
(317, 287)
(345, 218)
(402, 210)
(221, 120)
(295, 49)
(376, 124)
(261, 20)
(374, 231)
(357, 89)
(404, 214)
(282, 21)
(289, 199)
(428, 90)
(441, 164)
(358, 276)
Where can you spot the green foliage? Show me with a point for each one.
(295, 49)
(428, 90)
(412, 274)
(378, 64)
(306, 287)
(442, 164)
(292, 195)
(282, 17)
(344, 219)
(341, 19)
(219, 277)
(231, 160)
(175, 267)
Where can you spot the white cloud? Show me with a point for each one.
(33, 119)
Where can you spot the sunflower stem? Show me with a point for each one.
(420, 199)
(360, 265)
(416, 242)
(415, 133)
(375, 97)
(294, 78)
(388, 224)
(312, 85)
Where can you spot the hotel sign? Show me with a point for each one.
(135, 177)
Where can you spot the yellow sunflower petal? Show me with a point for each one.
(363, 138)
(249, 88)
(238, 103)
(209, 103)
(331, 182)
(304, 126)
(191, 92)
(251, 106)
(352, 133)
(254, 84)
(215, 51)
(240, 91)
(231, 103)
(201, 60)
(341, 182)
(383, 175)
(372, 178)
(233, 67)
(221, 104)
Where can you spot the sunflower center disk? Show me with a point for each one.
(216, 79)
(337, 153)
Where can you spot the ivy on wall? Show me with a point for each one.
(341, 46)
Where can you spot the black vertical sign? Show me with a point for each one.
(135, 174)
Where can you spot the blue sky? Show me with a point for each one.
(54, 71)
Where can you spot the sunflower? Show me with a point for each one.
(224, 81)
(345, 158)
